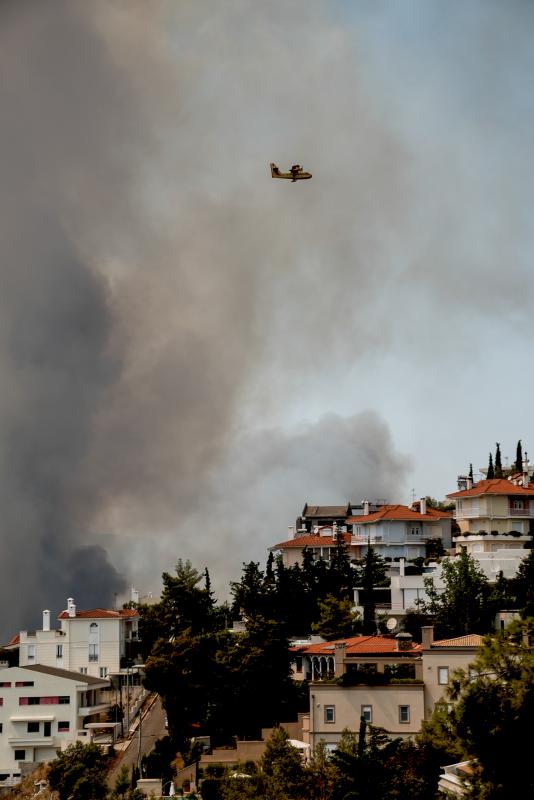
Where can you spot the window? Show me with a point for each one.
(83, 670)
(329, 713)
(298, 664)
(24, 683)
(517, 504)
(1, 727)
(103, 672)
(20, 755)
(93, 641)
(59, 651)
(443, 676)
(404, 714)
(63, 726)
(31, 652)
(367, 713)
(44, 701)
(33, 727)
(1, 701)
(5, 684)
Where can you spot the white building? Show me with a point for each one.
(91, 642)
(397, 531)
(42, 710)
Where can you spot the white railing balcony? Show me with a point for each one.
(29, 740)
(484, 513)
(354, 539)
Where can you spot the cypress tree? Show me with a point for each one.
(519, 457)
(471, 472)
(498, 464)
(491, 471)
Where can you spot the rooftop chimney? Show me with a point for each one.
(366, 507)
(403, 641)
(525, 471)
(427, 633)
(422, 505)
(291, 531)
(46, 620)
(71, 608)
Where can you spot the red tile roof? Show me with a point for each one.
(102, 613)
(495, 486)
(15, 639)
(470, 640)
(356, 645)
(399, 512)
(312, 540)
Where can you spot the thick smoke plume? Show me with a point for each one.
(168, 314)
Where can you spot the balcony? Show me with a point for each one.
(87, 711)
(31, 740)
(365, 540)
(475, 513)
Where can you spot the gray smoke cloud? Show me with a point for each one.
(169, 315)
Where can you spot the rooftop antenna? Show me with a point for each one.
(413, 495)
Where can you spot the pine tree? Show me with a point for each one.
(498, 464)
(519, 457)
(491, 471)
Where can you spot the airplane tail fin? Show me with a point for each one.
(274, 170)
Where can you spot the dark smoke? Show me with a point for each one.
(169, 315)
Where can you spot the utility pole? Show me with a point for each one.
(127, 701)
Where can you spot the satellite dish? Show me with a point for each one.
(391, 624)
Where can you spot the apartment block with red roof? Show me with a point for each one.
(93, 642)
(494, 515)
(398, 531)
(394, 531)
(392, 682)
(440, 659)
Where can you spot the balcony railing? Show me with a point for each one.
(483, 514)
(27, 740)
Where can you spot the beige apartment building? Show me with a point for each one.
(398, 705)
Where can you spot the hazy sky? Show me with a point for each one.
(191, 350)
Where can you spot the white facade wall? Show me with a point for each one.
(401, 538)
(93, 645)
(34, 732)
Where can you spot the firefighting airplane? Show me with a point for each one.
(296, 173)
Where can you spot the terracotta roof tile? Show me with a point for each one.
(470, 640)
(356, 645)
(399, 512)
(312, 540)
(495, 486)
(102, 613)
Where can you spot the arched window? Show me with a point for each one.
(94, 638)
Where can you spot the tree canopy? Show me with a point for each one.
(80, 772)
(463, 606)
